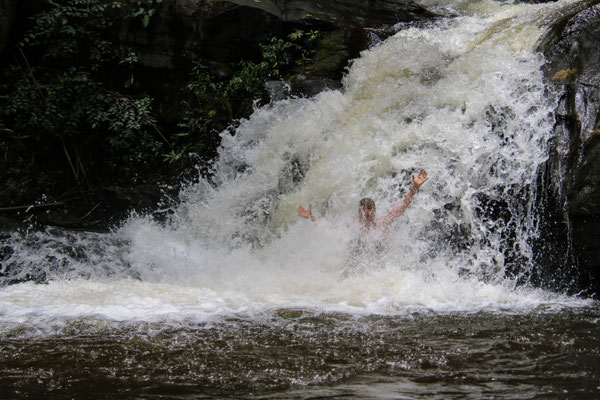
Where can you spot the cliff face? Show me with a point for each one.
(572, 49)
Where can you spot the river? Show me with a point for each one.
(225, 293)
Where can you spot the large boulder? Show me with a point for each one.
(572, 49)
(346, 12)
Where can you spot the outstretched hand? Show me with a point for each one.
(420, 179)
(306, 213)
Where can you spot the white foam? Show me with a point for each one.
(464, 99)
(383, 292)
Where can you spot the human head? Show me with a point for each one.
(366, 210)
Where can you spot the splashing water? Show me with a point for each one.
(463, 98)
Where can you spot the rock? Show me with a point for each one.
(347, 12)
(536, 1)
(333, 52)
(227, 31)
(97, 211)
(572, 47)
(278, 90)
(584, 193)
(303, 86)
(11, 224)
(139, 198)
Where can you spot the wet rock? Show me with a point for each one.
(536, 1)
(584, 193)
(573, 49)
(278, 90)
(8, 224)
(333, 52)
(348, 12)
(303, 86)
(139, 198)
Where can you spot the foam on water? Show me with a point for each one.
(463, 98)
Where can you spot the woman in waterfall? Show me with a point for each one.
(372, 230)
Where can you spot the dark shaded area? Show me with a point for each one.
(556, 266)
(573, 182)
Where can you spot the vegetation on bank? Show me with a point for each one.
(209, 98)
(74, 117)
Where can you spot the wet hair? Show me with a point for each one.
(367, 201)
(364, 202)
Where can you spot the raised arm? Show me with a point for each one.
(399, 210)
(306, 213)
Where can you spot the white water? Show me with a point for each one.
(463, 99)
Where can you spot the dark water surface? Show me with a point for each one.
(300, 354)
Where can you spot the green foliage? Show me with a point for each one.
(145, 9)
(213, 98)
(64, 106)
(200, 127)
(70, 115)
(280, 55)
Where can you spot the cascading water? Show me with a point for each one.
(463, 97)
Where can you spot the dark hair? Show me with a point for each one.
(363, 202)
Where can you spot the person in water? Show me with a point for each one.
(367, 211)
(372, 230)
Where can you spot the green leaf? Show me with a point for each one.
(129, 82)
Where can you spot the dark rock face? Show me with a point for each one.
(220, 33)
(347, 12)
(224, 31)
(573, 51)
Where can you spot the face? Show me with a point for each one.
(367, 212)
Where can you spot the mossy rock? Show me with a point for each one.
(331, 56)
(305, 87)
(333, 53)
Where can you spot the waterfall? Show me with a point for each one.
(463, 97)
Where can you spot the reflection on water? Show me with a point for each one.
(299, 354)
